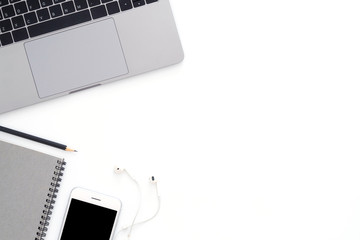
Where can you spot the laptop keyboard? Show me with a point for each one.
(23, 19)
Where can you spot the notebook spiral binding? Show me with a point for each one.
(50, 200)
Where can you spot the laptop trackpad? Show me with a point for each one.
(76, 58)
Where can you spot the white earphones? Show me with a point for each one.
(118, 170)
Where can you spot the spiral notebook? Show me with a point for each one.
(29, 181)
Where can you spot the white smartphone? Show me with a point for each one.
(90, 215)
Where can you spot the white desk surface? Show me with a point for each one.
(254, 136)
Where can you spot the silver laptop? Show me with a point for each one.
(51, 48)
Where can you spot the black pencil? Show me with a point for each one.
(36, 139)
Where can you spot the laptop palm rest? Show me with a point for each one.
(76, 59)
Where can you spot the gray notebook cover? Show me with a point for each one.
(28, 182)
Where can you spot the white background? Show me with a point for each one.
(254, 136)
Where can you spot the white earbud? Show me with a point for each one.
(118, 170)
(152, 179)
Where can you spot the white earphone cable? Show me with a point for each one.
(148, 219)
(139, 206)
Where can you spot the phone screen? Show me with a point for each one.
(88, 221)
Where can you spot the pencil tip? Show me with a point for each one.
(70, 150)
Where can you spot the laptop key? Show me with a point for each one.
(58, 1)
(93, 3)
(8, 11)
(21, 8)
(80, 4)
(6, 39)
(30, 18)
(113, 7)
(138, 3)
(46, 3)
(59, 23)
(4, 2)
(98, 12)
(18, 22)
(68, 7)
(55, 11)
(5, 25)
(33, 4)
(125, 5)
(43, 14)
(20, 34)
